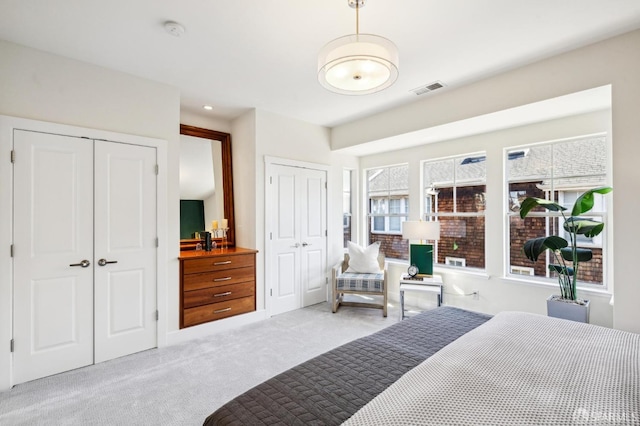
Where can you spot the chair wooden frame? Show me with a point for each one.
(337, 295)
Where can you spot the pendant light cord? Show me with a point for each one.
(357, 17)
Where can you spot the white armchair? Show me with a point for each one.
(371, 284)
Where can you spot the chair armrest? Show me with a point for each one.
(336, 270)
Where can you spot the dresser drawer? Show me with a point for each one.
(218, 278)
(218, 294)
(209, 264)
(214, 311)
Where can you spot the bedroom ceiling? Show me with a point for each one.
(238, 55)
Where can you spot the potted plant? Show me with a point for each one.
(566, 254)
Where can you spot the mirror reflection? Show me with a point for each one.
(206, 186)
(201, 190)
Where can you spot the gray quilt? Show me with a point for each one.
(330, 388)
(519, 369)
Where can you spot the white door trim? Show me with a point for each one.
(268, 170)
(7, 126)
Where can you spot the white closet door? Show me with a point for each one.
(125, 238)
(298, 260)
(285, 258)
(53, 229)
(313, 225)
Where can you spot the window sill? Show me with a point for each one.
(439, 269)
(554, 286)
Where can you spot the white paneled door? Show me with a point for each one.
(297, 202)
(53, 254)
(125, 249)
(84, 252)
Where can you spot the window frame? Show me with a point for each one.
(396, 187)
(603, 241)
(430, 208)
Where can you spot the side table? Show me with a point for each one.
(426, 285)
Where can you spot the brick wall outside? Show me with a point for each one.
(393, 245)
(462, 237)
(532, 227)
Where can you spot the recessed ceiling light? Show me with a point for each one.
(174, 28)
(207, 107)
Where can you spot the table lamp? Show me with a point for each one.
(421, 255)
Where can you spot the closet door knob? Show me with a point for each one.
(305, 244)
(103, 262)
(84, 263)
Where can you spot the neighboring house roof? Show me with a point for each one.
(577, 163)
(388, 181)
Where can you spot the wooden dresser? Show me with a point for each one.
(216, 284)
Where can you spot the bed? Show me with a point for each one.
(449, 366)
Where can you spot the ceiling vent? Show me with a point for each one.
(428, 88)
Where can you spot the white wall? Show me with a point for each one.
(41, 86)
(496, 293)
(205, 121)
(260, 133)
(615, 61)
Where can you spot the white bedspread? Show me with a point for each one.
(519, 369)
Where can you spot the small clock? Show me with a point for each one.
(412, 270)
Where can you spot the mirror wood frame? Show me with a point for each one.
(227, 172)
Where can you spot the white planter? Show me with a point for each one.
(558, 308)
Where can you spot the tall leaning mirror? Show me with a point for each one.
(206, 184)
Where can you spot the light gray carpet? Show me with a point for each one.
(182, 384)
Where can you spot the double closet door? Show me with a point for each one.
(297, 204)
(84, 252)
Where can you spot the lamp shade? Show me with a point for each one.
(358, 64)
(420, 230)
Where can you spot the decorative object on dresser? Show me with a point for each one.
(217, 284)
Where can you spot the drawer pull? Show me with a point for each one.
(222, 263)
(226, 293)
(221, 279)
(219, 311)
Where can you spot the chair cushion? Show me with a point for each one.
(363, 260)
(350, 281)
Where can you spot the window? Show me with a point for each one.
(521, 270)
(455, 261)
(454, 194)
(347, 206)
(388, 207)
(557, 171)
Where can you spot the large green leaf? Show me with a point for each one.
(584, 226)
(561, 269)
(535, 247)
(583, 254)
(584, 203)
(530, 202)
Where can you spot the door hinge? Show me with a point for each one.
(157, 242)
(157, 169)
(157, 315)
(325, 185)
(270, 293)
(270, 179)
(11, 250)
(271, 235)
(325, 233)
(326, 280)
(11, 346)
(13, 156)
